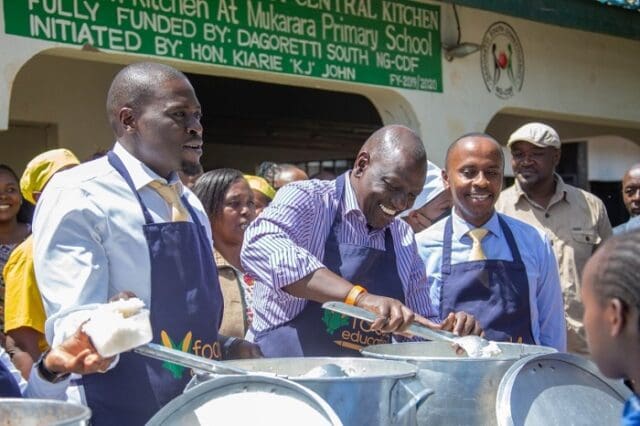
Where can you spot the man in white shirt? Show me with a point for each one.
(50, 376)
(125, 223)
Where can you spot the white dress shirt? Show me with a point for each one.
(545, 294)
(88, 239)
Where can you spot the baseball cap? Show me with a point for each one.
(261, 185)
(537, 134)
(433, 186)
(40, 169)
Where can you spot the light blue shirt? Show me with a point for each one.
(88, 239)
(632, 224)
(37, 387)
(545, 294)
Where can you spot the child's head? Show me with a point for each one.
(611, 297)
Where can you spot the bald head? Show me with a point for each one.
(470, 138)
(134, 85)
(388, 174)
(393, 141)
(287, 173)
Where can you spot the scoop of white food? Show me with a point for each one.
(477, 347)
(119, 326)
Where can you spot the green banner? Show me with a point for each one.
(384, 42)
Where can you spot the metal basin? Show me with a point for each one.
(374, 392)
(40, 412)
(247, 400)
(465, 388)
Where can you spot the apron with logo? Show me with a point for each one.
(186, 310)
(496, 292)
(8, 386)
(316, 332)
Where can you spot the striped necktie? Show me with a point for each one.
(476, 249)
(170, 194)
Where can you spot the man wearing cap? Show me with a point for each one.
(432, 204)
(24, 313)
(263, 193)
(631, 199)
(574, 220)
(495, 267)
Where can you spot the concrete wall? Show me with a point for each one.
(586, 77)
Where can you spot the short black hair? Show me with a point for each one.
(268, 170)
(619, 274)
(472, 135)
(134, 85)
(212, 187)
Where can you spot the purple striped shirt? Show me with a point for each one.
(286, 243)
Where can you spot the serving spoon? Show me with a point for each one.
(471, 344)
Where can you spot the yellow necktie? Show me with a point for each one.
(476, 250)
(170, 194)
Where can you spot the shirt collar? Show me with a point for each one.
(141, 175)
(350, 201)
(461, 226)
(559, 194)
(350, 204)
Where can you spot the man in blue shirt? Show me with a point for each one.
(497, 268)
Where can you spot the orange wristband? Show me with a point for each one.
(353, 294)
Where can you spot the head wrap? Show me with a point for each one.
(41, 168)
(261, 185)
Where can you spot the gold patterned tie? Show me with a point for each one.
(170, 194)
(476, 250)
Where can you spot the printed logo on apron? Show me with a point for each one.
(206, 350)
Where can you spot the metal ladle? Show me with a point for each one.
(195, 362)
(469, 343)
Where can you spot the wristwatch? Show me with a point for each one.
(47, 374)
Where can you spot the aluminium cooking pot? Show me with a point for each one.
(40, 412)
(246, 400)
(465, 388)
(373, 392)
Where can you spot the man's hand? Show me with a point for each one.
(459, 323)
(393, 316)
(76, 355)
(242, 349)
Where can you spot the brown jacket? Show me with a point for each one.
(234, 319)
(576, 222)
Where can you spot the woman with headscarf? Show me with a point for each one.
(229, 202)
(263, 193)
(24, 311)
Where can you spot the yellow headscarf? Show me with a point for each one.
(41, 168)
(260, 184)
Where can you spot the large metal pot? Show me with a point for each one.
(465, 388)
(558, 389)
(40, 412)
(375, 392)
(247, 400)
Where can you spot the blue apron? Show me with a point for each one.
(316, 332)
(496, 292)
(8, 386)
(186, 310)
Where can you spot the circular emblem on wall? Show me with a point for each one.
(502, 60)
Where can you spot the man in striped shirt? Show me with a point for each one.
(340, 240)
